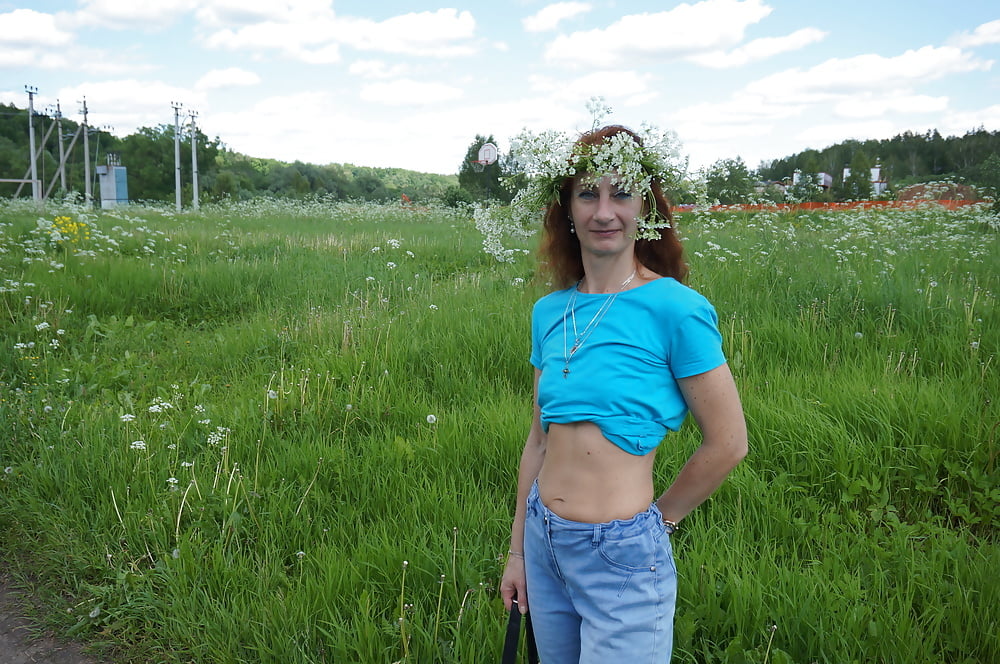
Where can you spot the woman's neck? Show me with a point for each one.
(607, 276)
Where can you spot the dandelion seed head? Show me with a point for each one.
(432, 419)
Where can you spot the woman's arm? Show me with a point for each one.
(513, 583)
(715, 405)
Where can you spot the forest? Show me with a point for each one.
(148, 154)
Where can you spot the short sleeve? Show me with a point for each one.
(536, 342)
(696, 344)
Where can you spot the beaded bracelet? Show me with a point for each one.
(670, 526)
(515, 554)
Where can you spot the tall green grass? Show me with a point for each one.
(282, 432)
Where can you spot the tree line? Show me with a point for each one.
(148, 156)
(905, 159)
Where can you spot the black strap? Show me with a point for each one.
(514, 632)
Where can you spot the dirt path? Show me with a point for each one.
(22, 641)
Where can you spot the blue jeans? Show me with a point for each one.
(599, 592)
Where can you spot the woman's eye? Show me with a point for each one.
(623, 195)
(586, 194)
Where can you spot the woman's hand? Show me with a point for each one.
(513, 586)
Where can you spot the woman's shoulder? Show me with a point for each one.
(555, 298)
(672, 294)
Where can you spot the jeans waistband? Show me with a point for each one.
(652, 513)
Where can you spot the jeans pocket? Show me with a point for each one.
(634, 553)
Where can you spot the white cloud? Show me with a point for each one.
(31, 30)
(35, 40)
(377, 69)
(759, 49)
(709, 25)
(309, 41)
(987, 33)
(823, 135)
(624, 87)
(128, 104)
(405, 92)
(230, 13)
(960, 122)
(136, 14)
(438, 34)
(709, 130)
(227, 78)
(551, 16)
(830, 80)
(873, 105)
(315, 36)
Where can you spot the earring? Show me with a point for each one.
(572, 227)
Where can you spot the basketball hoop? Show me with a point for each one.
(487, 155)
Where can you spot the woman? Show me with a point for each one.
(621, 354)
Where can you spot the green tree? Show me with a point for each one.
(456, 197)
(858, 184)
(804, 187)
(729, 181)
(485, 184)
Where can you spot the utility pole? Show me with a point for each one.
(88, 191)
(36, 189)
(177, 151)
(194, 158)
(62, 148)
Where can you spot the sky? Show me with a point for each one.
(409, 84)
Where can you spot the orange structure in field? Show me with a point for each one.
(849, 205)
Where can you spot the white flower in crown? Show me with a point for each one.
(546, 159)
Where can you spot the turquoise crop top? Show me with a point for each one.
(623, 378)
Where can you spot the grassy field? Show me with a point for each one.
(288, 432)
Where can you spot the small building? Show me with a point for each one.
(113, 180)
(879, 183)
(821, 180)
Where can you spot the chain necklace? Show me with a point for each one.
(580, 337)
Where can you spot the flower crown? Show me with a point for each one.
(548, 158)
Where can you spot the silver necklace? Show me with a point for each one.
(579, 338)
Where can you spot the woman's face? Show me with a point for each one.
(604, 215)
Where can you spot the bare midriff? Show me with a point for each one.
(585, 477)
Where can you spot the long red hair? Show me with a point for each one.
(560, 249)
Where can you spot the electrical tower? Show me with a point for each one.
(36, 190)
(194, 158)
(177, 151)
